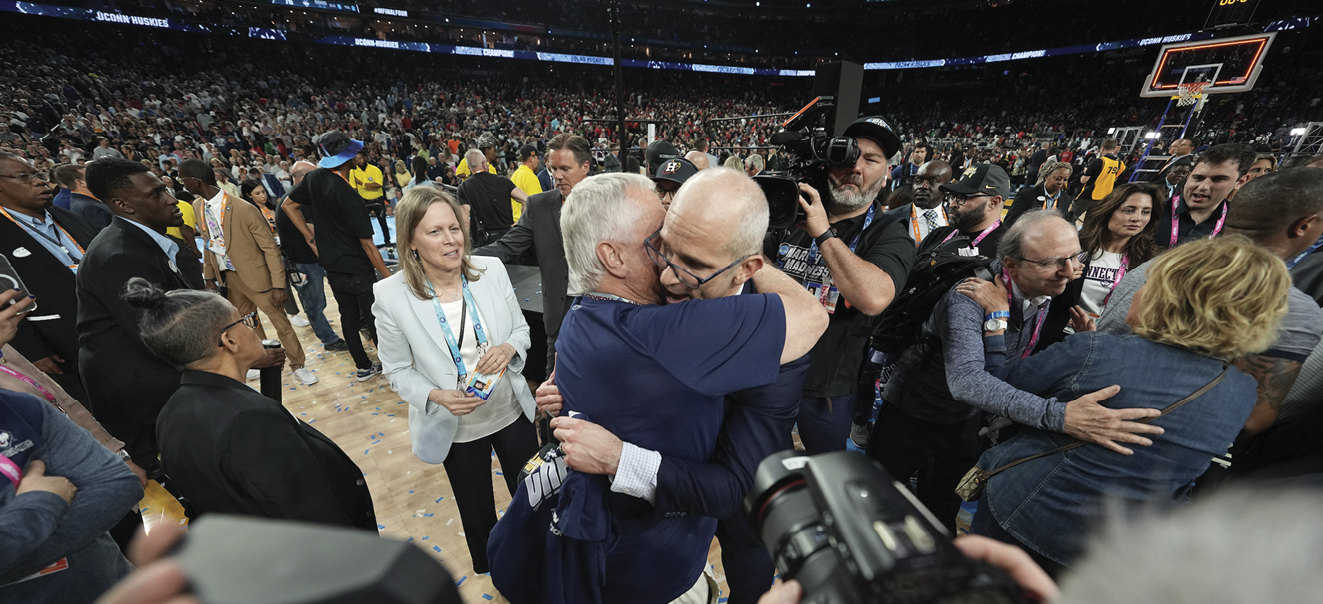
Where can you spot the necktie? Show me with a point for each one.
(931, 217)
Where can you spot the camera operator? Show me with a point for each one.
(854, 259)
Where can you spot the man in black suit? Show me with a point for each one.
(126, 384)
(45, 245)
(568, 160)
(1182, 154)
(927, 213)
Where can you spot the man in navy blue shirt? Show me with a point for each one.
(701, 231)
(655, 376)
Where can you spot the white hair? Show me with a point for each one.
(597, 210)
(755, 162)
(1240, 547)
(475, 158)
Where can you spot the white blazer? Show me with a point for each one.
(415, 358)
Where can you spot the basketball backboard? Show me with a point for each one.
(1229, 64)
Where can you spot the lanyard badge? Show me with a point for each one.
(828, 295)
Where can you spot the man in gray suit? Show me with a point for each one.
(568, 159)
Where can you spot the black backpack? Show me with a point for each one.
(938, 267)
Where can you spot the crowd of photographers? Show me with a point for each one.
(988, 317)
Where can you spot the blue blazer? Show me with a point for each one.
(758, 422)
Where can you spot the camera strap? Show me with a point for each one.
(814, 254)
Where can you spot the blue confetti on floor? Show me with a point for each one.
(438, 499)
(461, 579)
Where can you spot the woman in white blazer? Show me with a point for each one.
(445, 306)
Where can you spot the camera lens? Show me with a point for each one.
(801, 548)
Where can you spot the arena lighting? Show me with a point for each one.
(32, 8)
(1298, 131)
(1111, 130)
(1151, 135)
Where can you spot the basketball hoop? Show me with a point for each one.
(1190, 92)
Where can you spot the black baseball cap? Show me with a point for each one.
(675, 170)
(876, 128)
(989, 179)
(527, 151)
(660, 151)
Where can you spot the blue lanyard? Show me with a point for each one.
(1294, 261)
(813, 246)
(450, 336)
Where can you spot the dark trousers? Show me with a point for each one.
(469, 468)
(354, 295)
(377, 208)
(749, 568)
(824, 423)
(941, 454)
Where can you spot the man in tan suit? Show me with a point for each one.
(240, 247)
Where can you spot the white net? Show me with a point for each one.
(1190, 92)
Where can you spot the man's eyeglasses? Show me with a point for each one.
(662, 194)
(1060, 263)
(931, 182)
(249, 320)
(28, 178)
(953, 199)
(662, 258)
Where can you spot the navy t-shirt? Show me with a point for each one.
(655, 376)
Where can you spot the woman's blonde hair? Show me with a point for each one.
(408, 215)
(1220, 297)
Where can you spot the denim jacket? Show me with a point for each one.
(1050, 503)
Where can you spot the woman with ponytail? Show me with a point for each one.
(229, 449)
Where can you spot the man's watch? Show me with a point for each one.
(996, 321)
(124, 455)
(827, 234)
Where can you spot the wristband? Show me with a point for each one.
(997, 314)
(827, 234)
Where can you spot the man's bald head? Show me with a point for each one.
(301, 168)
(729, 202)
(698, 158)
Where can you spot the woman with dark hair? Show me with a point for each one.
(253, 192)
(229, 449)
(1117, 236)
(1044, 195)
(419, 176)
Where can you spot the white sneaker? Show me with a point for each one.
(305, 376)
(298, 321)
(254, 374)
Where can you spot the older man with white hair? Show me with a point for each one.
(681, 361)
(486, 200)
(719, 220)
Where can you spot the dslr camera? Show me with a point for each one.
(850, 533)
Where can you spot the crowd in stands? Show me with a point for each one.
(1116, 337)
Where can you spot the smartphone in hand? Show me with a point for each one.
(9, 279)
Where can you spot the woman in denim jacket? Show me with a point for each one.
(1205, 304)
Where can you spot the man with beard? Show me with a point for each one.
(926, 214)
(973, 207)
(854, 258)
